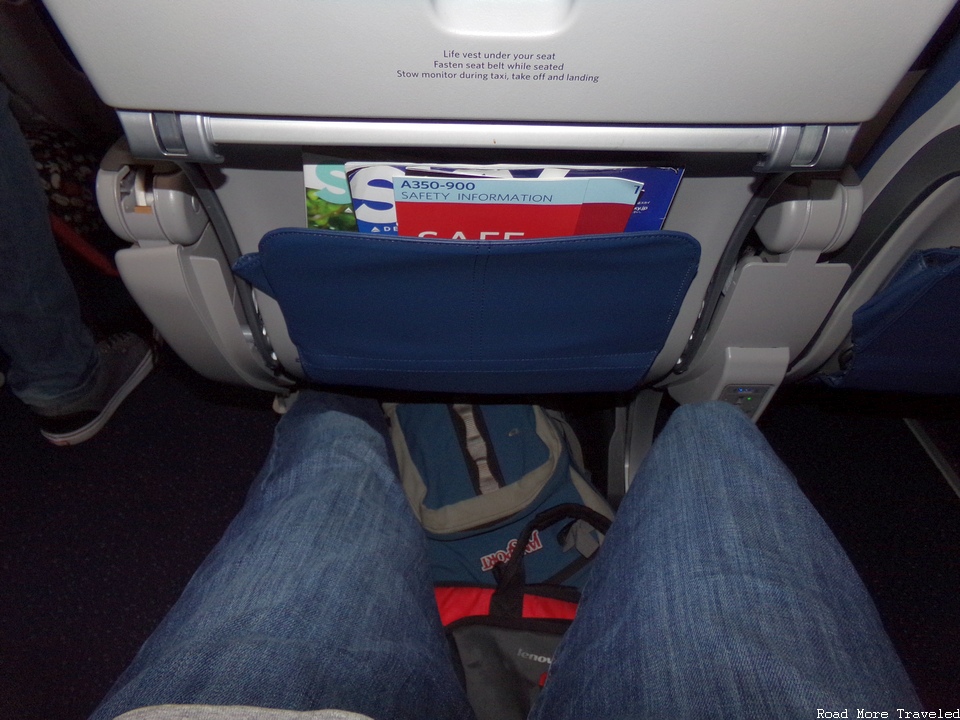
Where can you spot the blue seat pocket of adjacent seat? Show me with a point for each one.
(907, 337)
(576, 314)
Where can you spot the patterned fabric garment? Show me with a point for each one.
(68, 173)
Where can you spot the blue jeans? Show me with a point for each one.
(53, 357)
(719, 592)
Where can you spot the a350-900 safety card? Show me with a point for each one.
(486, 202)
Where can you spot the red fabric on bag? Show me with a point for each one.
(456, 603)
(550, 608)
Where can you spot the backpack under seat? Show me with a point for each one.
(475, 475)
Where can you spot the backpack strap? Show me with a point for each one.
(478, 449)
(508, 598)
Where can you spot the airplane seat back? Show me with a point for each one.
(896, 325)
(216, 133)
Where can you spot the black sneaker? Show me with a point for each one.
(125, 360)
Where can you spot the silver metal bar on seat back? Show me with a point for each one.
(189, 136)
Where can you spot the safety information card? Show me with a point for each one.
(486, 202)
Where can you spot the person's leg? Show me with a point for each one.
(318, 595)
(720, 592)
(71, 383)
(53, 358)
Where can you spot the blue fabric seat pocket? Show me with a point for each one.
(575, 314)
(907, 337)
